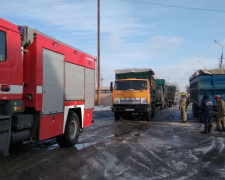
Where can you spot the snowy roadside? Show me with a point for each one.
(102, 108)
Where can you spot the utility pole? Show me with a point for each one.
(99, 78)
(221, 60)
(202, 63)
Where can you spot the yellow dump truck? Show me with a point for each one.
(134, 93)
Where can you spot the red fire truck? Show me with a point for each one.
(46, 88)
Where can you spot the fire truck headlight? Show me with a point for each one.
(144, 101)
(29, 97)
(116, 101)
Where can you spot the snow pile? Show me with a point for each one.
(102, 108)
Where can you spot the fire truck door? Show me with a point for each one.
(11, 68)
(4, 67)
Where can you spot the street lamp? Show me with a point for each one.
(221, 61)
(202, 63)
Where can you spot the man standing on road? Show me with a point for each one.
(207, 111)
(183, 107)
(220, 113)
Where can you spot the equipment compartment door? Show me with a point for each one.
(53, 82)
(89, 88)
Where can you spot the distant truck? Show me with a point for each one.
(161, 93)
(173, 95)
(134, 93)
(206, 81)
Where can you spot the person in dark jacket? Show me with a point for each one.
(207, 111)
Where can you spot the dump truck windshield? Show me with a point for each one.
(131, 85)
(2, 46)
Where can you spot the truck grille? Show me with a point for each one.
(130, 101)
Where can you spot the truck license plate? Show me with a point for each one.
(129, 109)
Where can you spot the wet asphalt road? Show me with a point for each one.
(164, 148)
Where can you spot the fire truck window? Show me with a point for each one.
(2, 46)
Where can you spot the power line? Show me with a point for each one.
(39, 5)
(131, 1)
(173, 6)
(7, 0)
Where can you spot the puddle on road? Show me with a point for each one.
(53, 146)
(78, 146)
(83, 145)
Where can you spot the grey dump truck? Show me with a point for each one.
(173, 95)
(206, 81)
(161, 93)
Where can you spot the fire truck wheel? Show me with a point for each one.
(71, 134)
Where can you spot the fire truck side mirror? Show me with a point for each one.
(111, 86)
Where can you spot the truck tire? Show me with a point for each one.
(153, 112)
(71, 134)
(165, 105)
(195, 110)
(148, 116)
(117, 116)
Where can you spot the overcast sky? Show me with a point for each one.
(168, 36)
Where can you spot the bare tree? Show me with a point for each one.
(187, 89)
(174, 84)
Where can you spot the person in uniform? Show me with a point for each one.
(183, 107)
(207, 111)
(220, 113)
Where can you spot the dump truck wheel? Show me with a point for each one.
(71, 134)
(117, 116)
(153, 112)
(165, 105)
(195, 110)
(148, 116)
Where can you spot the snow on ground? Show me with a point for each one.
(102, 108)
